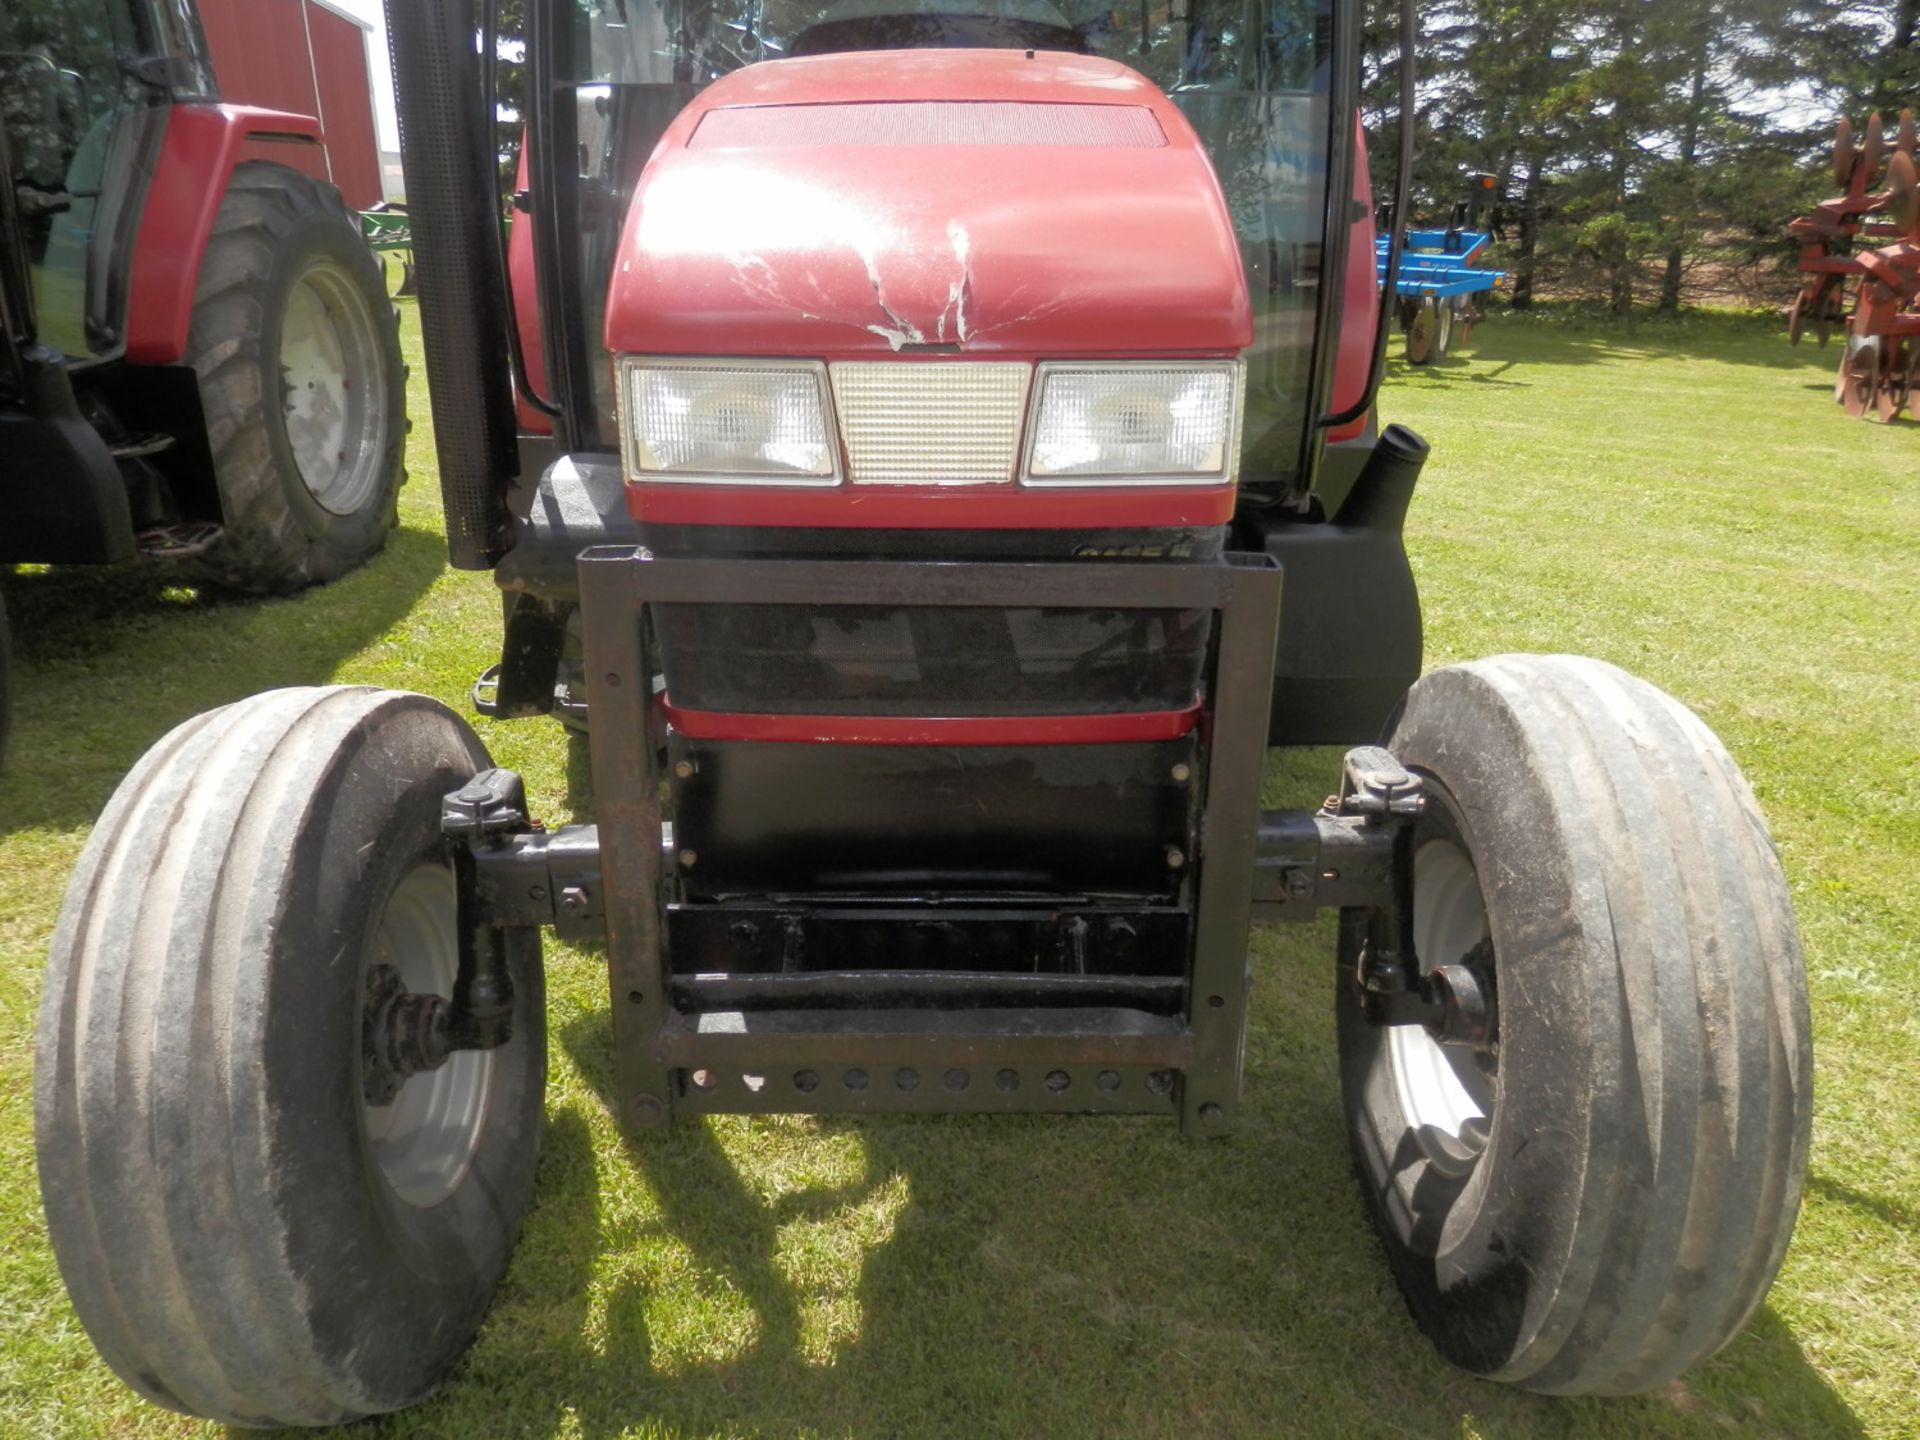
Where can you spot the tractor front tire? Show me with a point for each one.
(1599, 1197)
(297, 350)
(6, 683)
(248, 1230)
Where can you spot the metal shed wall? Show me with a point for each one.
(303, 56)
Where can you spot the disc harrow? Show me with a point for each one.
(1860, 256)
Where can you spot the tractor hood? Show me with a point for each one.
(984, 201)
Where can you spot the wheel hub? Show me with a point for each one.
(330, 371)
(422, 1116)
(402, 1034)
(1445, 1071)
(1462, 996)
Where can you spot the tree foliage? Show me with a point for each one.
(1646, 150)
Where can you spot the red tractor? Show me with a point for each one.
(965, 470)
(198, 359)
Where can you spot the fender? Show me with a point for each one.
(201, 146)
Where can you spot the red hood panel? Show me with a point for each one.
(1011, 217)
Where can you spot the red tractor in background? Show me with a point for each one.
(198, 358)
(964, 469)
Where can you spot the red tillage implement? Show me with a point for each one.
(1877, 368)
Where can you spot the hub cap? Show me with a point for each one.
(1446, 1092)
(424, 1140)
(332, 390)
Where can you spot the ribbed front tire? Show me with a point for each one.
(242, 1237)
(1622, 1209)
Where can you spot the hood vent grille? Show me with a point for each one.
(931, 122)
(932, 423)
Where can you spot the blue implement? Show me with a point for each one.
(1438, 264)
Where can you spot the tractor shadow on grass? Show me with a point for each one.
(1011, 1277)
(1454, 370)
(1890, 1212)
(108, 660)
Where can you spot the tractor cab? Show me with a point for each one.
(896, 193)
(1250, 81)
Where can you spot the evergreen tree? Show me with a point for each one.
(1638, 144)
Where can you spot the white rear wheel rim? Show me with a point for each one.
(332, 389)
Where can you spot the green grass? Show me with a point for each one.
(1684, 500)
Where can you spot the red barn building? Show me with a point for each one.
(309, 57)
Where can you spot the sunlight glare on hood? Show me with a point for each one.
(714, 210)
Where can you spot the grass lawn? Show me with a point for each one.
(1686, 501)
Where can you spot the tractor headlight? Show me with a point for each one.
(715, 421)
(1135, 422)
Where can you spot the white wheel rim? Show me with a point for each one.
(1441, 1089)
(424, 1141)
(332, 395)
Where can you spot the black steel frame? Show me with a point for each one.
(553, 172)
(1068, 1059)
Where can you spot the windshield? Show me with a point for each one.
(1255, 46)
(1250, 75)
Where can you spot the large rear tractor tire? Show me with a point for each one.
(297, 349)
(1596, 1196)
(256, 1222)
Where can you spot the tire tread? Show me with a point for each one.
(156, 1164)
(1697, 1097)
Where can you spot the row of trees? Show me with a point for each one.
(1648, 151)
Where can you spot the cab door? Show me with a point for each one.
(84, 86)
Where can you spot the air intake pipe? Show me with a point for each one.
(446, 146)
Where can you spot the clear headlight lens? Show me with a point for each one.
(727, 421)
(1136, 422)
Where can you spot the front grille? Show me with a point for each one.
(930, 423)
(929, 660)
